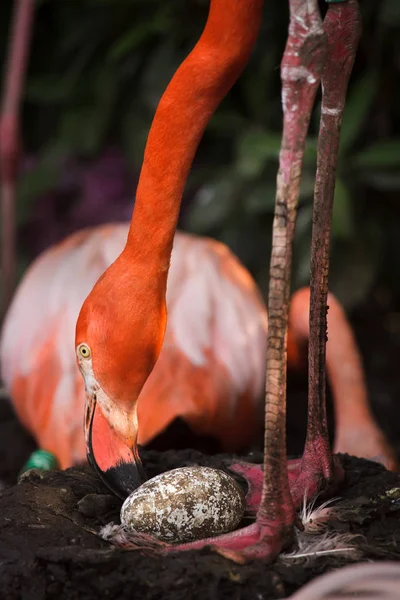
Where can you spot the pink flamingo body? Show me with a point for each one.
(211, 369)
(216, 386)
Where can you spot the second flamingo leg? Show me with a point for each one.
(301, 71)
(302, 66)
(319, 470)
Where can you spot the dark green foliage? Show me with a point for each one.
(98, 68)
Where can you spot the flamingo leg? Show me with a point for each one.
(9, 140)
(280, 489)
(320, 470)
(254, 476)
(301, 70)
(283, 490)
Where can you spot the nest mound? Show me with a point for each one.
(50, 545)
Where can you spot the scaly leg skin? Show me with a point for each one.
(263, 539)
(321, 486)
(253, 474)
(319, 469)
(302, 65)
(301, 71)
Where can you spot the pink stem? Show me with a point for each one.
(9, 139)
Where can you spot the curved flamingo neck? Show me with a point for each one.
(191, 98)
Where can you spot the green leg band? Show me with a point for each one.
(40, 459)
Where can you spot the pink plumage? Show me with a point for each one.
(211, 368)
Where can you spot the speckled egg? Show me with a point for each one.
(185, 504)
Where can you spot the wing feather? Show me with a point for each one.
(211, 368)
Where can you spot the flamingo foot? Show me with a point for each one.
(264, 539)
(309, 477)
(254, 475)
(272, 531)
(319, 473)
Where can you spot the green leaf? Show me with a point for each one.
(382, 181)
(129, 42)
(40, 179)
(23, 263)
(160, 68)
(79, 131)
(357, 108)
(254, 149)
(302, 247)
(381, 154)
(342, 217)
(84, 127)
(261, 199)
(307, 185)
(390, 13)
(134, 131)
(304, 221)
(256, 95)
(227, 121)
(48, 89)
(310, 152)
(355, 264)
(212, 205)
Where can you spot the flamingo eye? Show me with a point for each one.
(84, 351)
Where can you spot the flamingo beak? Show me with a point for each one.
(113, 456)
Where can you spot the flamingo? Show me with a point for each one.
(122, 324)
(213, 385)
(210, 372)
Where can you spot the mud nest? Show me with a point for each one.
(50, 545)
(49, 524)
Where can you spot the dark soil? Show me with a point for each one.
(49, 523)
(50, 548)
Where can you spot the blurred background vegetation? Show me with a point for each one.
(96, 72)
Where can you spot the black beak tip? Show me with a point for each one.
(124, 478)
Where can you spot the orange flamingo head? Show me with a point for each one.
(119, 336)
(122, 323)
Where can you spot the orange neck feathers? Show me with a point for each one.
(187, 105)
